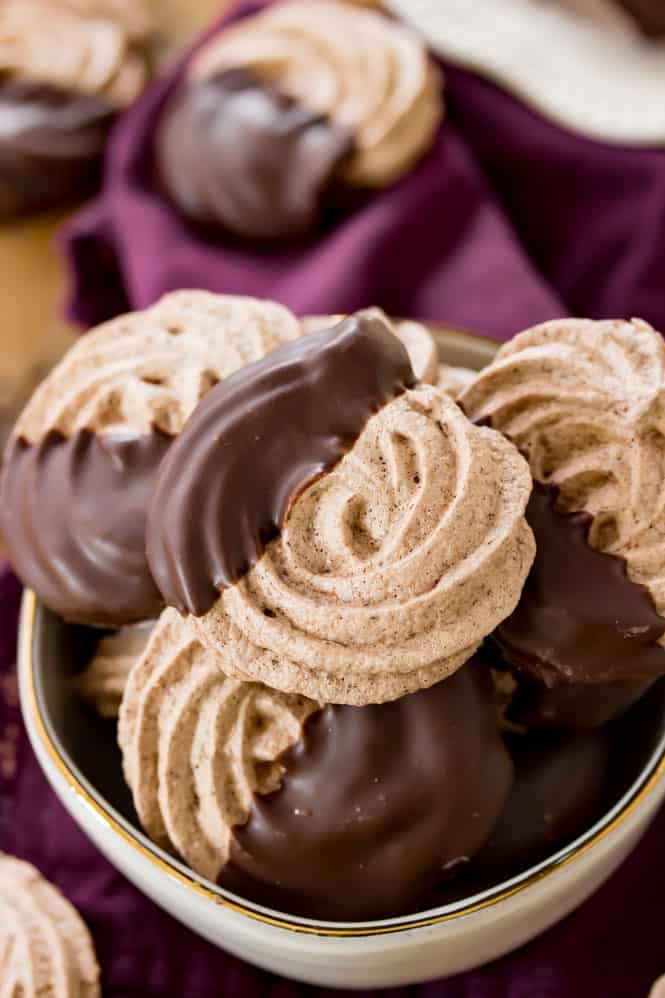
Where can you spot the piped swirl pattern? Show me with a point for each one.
(89, 51)
(148, 370)
(197, 745)
(391, 569)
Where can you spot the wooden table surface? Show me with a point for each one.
(32, 282)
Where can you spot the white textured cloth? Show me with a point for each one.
(582, 63)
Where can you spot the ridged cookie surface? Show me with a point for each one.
(585, 402)
(391, 569)
(149, 369)
(75, 48)
(197, 745)
(45, 948)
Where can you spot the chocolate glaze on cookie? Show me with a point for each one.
(378, 804)
(73, 514)
(580, 706)
(649, 14)
(232, 151)
(561, 781)
(254, 443)
(580, 618)
(51, 144)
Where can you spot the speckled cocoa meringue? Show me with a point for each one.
(89, 443)
(390, 569)
(45, 948)
(369, 74)
(104, 679)
(197, 745)
(585, 402)
(415, 336)
(148, 370)
(73, 48)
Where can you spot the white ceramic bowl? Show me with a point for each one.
(392, 952)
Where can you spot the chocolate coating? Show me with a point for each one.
(580, 618)
(378, 804)
(561, 782)
(580, 706)
(51, 145)
(649, 14)
(233, 152)
(254, 442)
(72, 512)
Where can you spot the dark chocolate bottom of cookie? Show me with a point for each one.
(51, 146)
(565, 781)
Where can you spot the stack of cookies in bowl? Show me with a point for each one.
(328, 591)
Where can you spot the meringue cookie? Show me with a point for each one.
(585, 402)
(103, 681)
(318, 56)
(401, 539)
(284, 111)
(73, 50)
(224, 773)
(45, 948)
(66, 68)
(391, 569)
(149, 369)
(93, 434)
(197, 744)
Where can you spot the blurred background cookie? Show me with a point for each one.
(45, 948)
(279, 110)
(66, 70)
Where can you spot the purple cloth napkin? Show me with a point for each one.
(611, 947)
(509, 221)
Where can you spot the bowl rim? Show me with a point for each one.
(118, 825)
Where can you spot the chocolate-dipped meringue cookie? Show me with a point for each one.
(45, 948)
(336, 532)
(66, 69)
(88, 444)
(289, 103)
(325, 811)
(584, 401)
